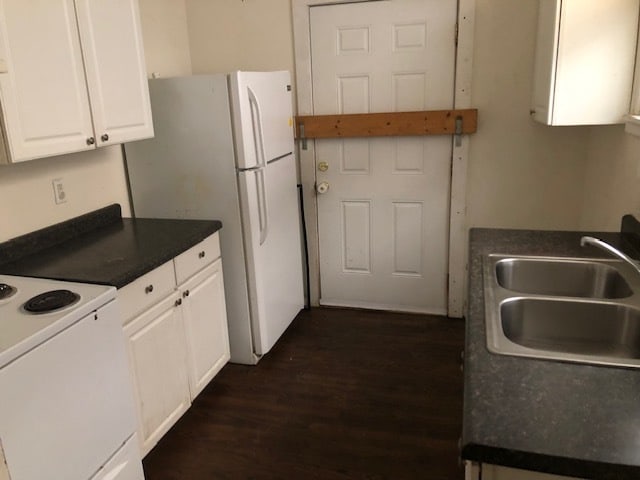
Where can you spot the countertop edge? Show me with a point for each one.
(102, 248)
(549, 464)
(135, 273)
(539, 243)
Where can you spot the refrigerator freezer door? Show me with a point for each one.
(262, 116)
(274, 260)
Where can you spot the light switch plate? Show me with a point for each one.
(59, 193)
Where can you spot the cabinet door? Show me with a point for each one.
(114, 61)
(205, 320)
(42, 84)
(579, 81)
(157, 356)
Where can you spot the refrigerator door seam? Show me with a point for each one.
(251, 169)
(279, 158)
(273, 160)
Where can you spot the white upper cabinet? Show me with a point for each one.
(45, 103)
(111, 40)
(584, 62)
(72, 76)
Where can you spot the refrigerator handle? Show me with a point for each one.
(263, 210)
(258, 135)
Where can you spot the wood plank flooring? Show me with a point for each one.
(344, 394)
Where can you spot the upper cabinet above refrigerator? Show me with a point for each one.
(261, 103)
(584, 61)
(72, 77)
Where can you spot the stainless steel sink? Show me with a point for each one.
(569, 309)
(569, 278)
(577, 327)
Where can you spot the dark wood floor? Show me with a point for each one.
(344, 394)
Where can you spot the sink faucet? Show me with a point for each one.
(596, 242)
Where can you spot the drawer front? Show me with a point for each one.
(197, 257)
(146, 291)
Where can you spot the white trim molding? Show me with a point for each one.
(458, 236)
(458, 232)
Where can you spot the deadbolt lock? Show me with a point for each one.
(323, 166)
(322, 187)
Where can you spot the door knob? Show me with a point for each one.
(323, 166)
(322, 187)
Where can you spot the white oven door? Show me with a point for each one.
(66, 406)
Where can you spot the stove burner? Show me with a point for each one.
(6, 291)
(50, 301)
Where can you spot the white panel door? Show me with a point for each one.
(114, 60)
(383, 223)
(42, 84)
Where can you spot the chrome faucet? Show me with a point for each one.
(612, 250)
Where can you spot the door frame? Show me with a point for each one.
(458, 239)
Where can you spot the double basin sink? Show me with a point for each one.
(569, 309)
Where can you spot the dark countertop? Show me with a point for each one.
(101, 247)
(548, 416)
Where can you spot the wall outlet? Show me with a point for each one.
(59, 194)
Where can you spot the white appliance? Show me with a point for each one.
(223, 149)
(66, 409)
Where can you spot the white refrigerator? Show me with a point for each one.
(224, 149)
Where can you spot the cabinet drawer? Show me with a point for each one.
(146, 291)
(197, 257)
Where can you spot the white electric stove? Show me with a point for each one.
(66, 409)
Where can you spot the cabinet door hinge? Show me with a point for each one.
(456, 34)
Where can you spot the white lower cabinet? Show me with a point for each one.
(180, 341)
(205, 321)
(487, 471)
(157, 355)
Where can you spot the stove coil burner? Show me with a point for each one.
(51, 301)
(6, 291)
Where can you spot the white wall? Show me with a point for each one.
(521, 174)
(227, 35)
(92, 179)
(612, 186)
(166, 41)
